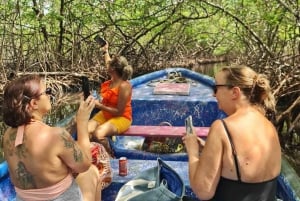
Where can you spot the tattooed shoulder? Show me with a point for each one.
(9, 146)
(69, 143)
(67, 139)
(8, 143)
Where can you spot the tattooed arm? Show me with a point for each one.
(78, 154)
(72, 154)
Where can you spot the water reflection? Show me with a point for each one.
(209, 69)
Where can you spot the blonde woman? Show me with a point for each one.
(241, 158)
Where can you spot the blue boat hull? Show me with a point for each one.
(150, 109)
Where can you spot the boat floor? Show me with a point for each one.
(137, 166)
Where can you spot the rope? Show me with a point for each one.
(172, 77)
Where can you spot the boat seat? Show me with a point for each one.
(136, 166)
(162, 131)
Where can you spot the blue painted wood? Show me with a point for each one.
(150, 109)
(135, 167)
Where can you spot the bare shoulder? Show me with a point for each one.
(60, 133)
(55, 134)
(125, 85)
(216, 130)
(216, 136)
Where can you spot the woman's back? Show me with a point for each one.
(38, 153)
(257, 147)
(251, 162)
(241, 157)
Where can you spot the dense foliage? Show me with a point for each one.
(56, 37)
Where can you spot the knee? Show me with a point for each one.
(106, 129)
(99, 132)
(92, 125)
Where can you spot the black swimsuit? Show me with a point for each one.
(237, 190)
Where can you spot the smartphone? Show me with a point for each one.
(100, 40)
(85, 86)
(189, 125)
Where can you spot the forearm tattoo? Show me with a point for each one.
(24, 178)
(70, 144)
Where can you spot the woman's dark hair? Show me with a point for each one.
(121, 66)
(17, 95)
(256, 87)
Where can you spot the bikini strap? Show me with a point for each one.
(233, 151)
(20, 135)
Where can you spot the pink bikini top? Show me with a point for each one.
(41, 194)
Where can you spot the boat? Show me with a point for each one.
(164, 99)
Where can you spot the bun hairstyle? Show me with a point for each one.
(256, 87)
(121, 66)
(16, 98)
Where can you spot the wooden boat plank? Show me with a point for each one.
(172, 89)
(163, 131)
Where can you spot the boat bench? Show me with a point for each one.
(162, 131)
(137, 166)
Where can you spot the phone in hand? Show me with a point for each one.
(100, 40)
(85, 86)
(189, 125)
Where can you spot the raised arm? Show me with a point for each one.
(106, 55)
(77, 154)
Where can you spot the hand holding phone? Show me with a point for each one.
(100, 40)
(189, 125)
(85, 86)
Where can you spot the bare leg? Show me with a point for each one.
(92, 126)
(106, 129)
(98, 192)
(88, 182)
(99, 135)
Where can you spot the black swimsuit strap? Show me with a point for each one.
(233, 151)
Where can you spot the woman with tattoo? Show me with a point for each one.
(42, 158)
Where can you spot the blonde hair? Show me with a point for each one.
(121, 66)
(255, 86)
